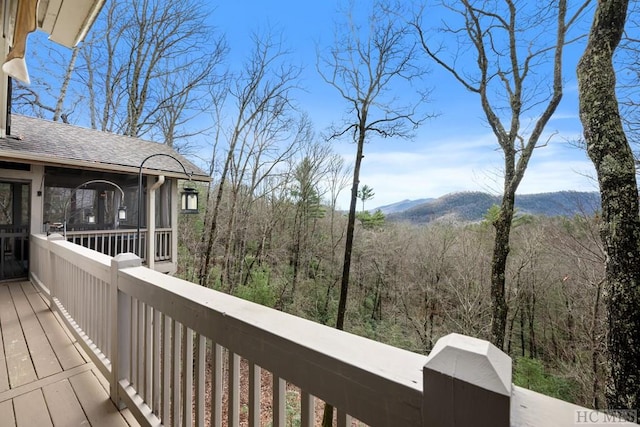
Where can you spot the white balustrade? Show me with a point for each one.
(166, 344)
(114, 242)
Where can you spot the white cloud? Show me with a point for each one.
(415, 171)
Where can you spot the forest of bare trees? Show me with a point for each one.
(412, 284)
(560, 295)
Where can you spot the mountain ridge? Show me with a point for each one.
(471, 206)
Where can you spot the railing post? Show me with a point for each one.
(467, 382)
(51, 267)
(120, 306)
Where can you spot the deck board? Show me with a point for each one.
(6, 413)
(4, 375)
(68, 389)
(31, 410)
(43, 357)
(63, 346)
(99, 409)
(19, 366)
(64, 407)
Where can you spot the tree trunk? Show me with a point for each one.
(327, 419)
(58, 113)
(226, 273)
(499, 307)
(351, 222)
(611, 155)
(509, 336)
(205, 262)
(531, 304)
(523, 345)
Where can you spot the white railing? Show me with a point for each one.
(114, 242)
(165, 344)
(163, 244)
(108, 242)
(77, 282)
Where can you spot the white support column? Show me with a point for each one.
(175, 199)
(151, 228)
(120, 305)
(467, 382)
(37, 199)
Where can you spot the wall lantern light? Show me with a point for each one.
(189, 200)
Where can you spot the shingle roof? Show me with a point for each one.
(54, 143)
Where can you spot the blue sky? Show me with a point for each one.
(455, 151)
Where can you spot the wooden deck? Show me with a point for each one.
(46, 379)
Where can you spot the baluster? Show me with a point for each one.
(254, 394)
(307, 409)
(175, 370)
(166, 368)
(216, 384)
(279, 412)
(187, 371)
(201, 359)
(148, 352)
(140, 345)
(157, 386)
(233, 413)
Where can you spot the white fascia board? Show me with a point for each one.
(68, 21)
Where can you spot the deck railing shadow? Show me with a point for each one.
(173, 353)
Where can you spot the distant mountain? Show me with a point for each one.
(401, 206)
(471, 206)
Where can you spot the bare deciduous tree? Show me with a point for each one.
(271, 141)
(627, 64)
(55, 100)
(363, 66)
(143, 71)
(261, 93)
(306, 193)
(511, 46)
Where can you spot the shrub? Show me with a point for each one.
(530, 373)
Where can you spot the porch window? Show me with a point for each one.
(91, 207)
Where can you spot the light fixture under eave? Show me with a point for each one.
(189, 201)
(122, 213)
(91, 218)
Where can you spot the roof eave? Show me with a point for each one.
(16, 156)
